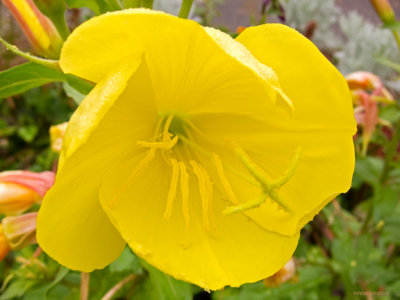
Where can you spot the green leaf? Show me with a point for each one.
(97, 6)
(81, 85)
(389, 113)
(368, 169)
(92, 4)
(126, 262)
(388, 63)
(17, 288)
(73, 93)
(27, 133)
(43, 292)
(160, 286)
(30, 75)
(26, 76)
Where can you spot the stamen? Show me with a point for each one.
(166, 134)
(139, 168)
(206, 191)
(208, 155)
(185, 195)
(165, 144)
(225, 183)
(203, 193)
(172, 189)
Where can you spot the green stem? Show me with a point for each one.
(397, 37)
(185, 9)
(391, 151)
(41, 61)
(61, 25)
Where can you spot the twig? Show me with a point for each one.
(85, 278)
(118, 286)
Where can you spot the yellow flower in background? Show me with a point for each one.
(205, 154)
(57, 133)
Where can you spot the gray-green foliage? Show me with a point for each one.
(363, 42)
(324, 12)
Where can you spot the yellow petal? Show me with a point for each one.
(322, 126)
(238, 250)
(319, 93)
(96, 105)
(193, 69)
(72, 227)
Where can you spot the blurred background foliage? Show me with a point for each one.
(351, 247)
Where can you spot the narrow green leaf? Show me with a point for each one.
(81, 85)
(386, 62)
(30, 75)
(26, 76)
(165, 287)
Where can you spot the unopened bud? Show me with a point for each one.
(384, 11)
(4, 246)
(38, 29)
(57, 133)
(20, 231)
(19, 190)
(286, 273)
(55, 10)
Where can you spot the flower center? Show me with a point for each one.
(173, 138)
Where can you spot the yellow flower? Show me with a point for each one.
(192, 151)
(57, 133)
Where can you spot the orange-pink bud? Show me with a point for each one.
(364, 80)
(384, 11)
(4, 246)
(19, 190)
(20, 231)
(38, 29)
(367, 90)
(286, 273)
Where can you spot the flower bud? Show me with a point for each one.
(20, 231)
(384, 11)
(57, 133)
(38, 29)
(283, 275)
(19, 190)
(4, 246)
(55, 10)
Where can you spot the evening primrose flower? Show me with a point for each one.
(206, 155)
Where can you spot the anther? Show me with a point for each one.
(185, 195)
(172, 188)
(206, 193)
(225, 183)
(165, 144)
